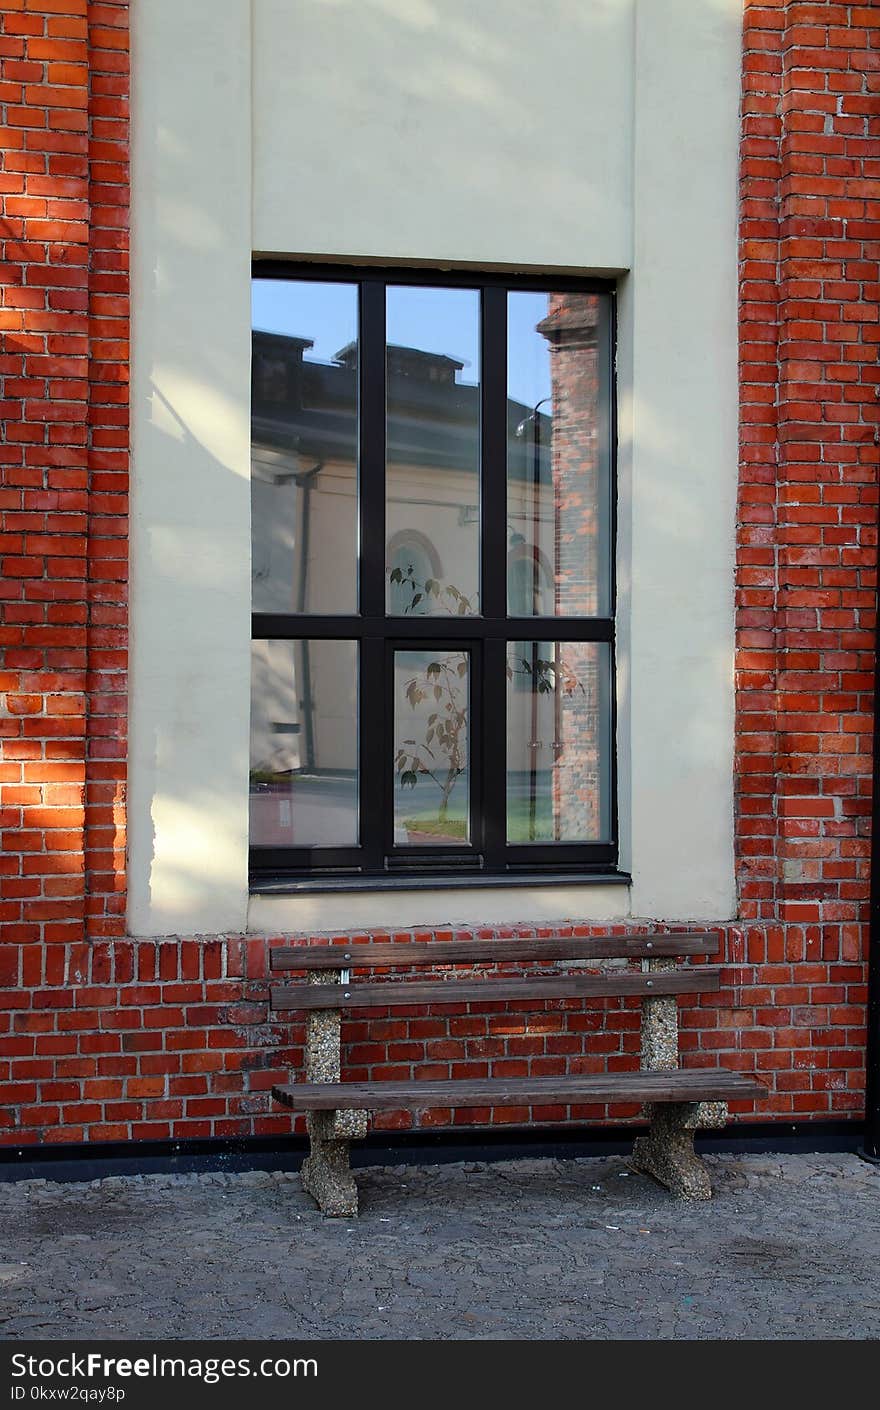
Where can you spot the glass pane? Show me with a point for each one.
(557, 495)
(304, 402)
(431, 710)
(433, 451)
(304, 753)
(558, 741)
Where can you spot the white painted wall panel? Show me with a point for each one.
(444, 129)
(576, 134)
(190, 531)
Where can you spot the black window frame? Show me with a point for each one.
(489, 859)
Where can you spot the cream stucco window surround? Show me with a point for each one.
(462, 134)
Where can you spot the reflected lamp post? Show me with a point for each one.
(534, 419)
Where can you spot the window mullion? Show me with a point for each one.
(493, 454)
(373, 761)
(494, 736)
(371, 449)
(606, 414)
(374, 765)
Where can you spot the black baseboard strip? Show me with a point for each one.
(95, 1162)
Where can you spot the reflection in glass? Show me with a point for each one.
(304, 729)
(411, 560)
(528, 582)
(431, 720)
(557, 507)
(433, 451)
(304, 446)
(558, 741)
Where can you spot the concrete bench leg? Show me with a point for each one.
(667, 1152)
(326, 1173)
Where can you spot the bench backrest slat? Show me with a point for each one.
(700, 979)
(442, 952)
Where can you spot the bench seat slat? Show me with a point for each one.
(692, 1085)
(290, 997)
(442, 952)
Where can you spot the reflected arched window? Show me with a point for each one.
(526, 581)
(412, 559)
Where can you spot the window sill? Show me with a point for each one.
(427, 881)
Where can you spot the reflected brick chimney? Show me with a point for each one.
(571, 330)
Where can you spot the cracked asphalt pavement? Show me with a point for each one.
(526, 1249)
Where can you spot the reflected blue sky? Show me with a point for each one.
(435, 320)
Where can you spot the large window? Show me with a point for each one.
(433, 595)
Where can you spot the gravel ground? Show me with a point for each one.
(526, 1249)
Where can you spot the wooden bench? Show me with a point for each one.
(677, 1101)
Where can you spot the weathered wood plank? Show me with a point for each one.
(446, 952)
(286, 998)
(693, 1085)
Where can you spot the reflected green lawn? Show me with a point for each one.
(518, 822)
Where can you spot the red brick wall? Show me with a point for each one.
(102, 1037)
(64, 324)
(810, 227)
